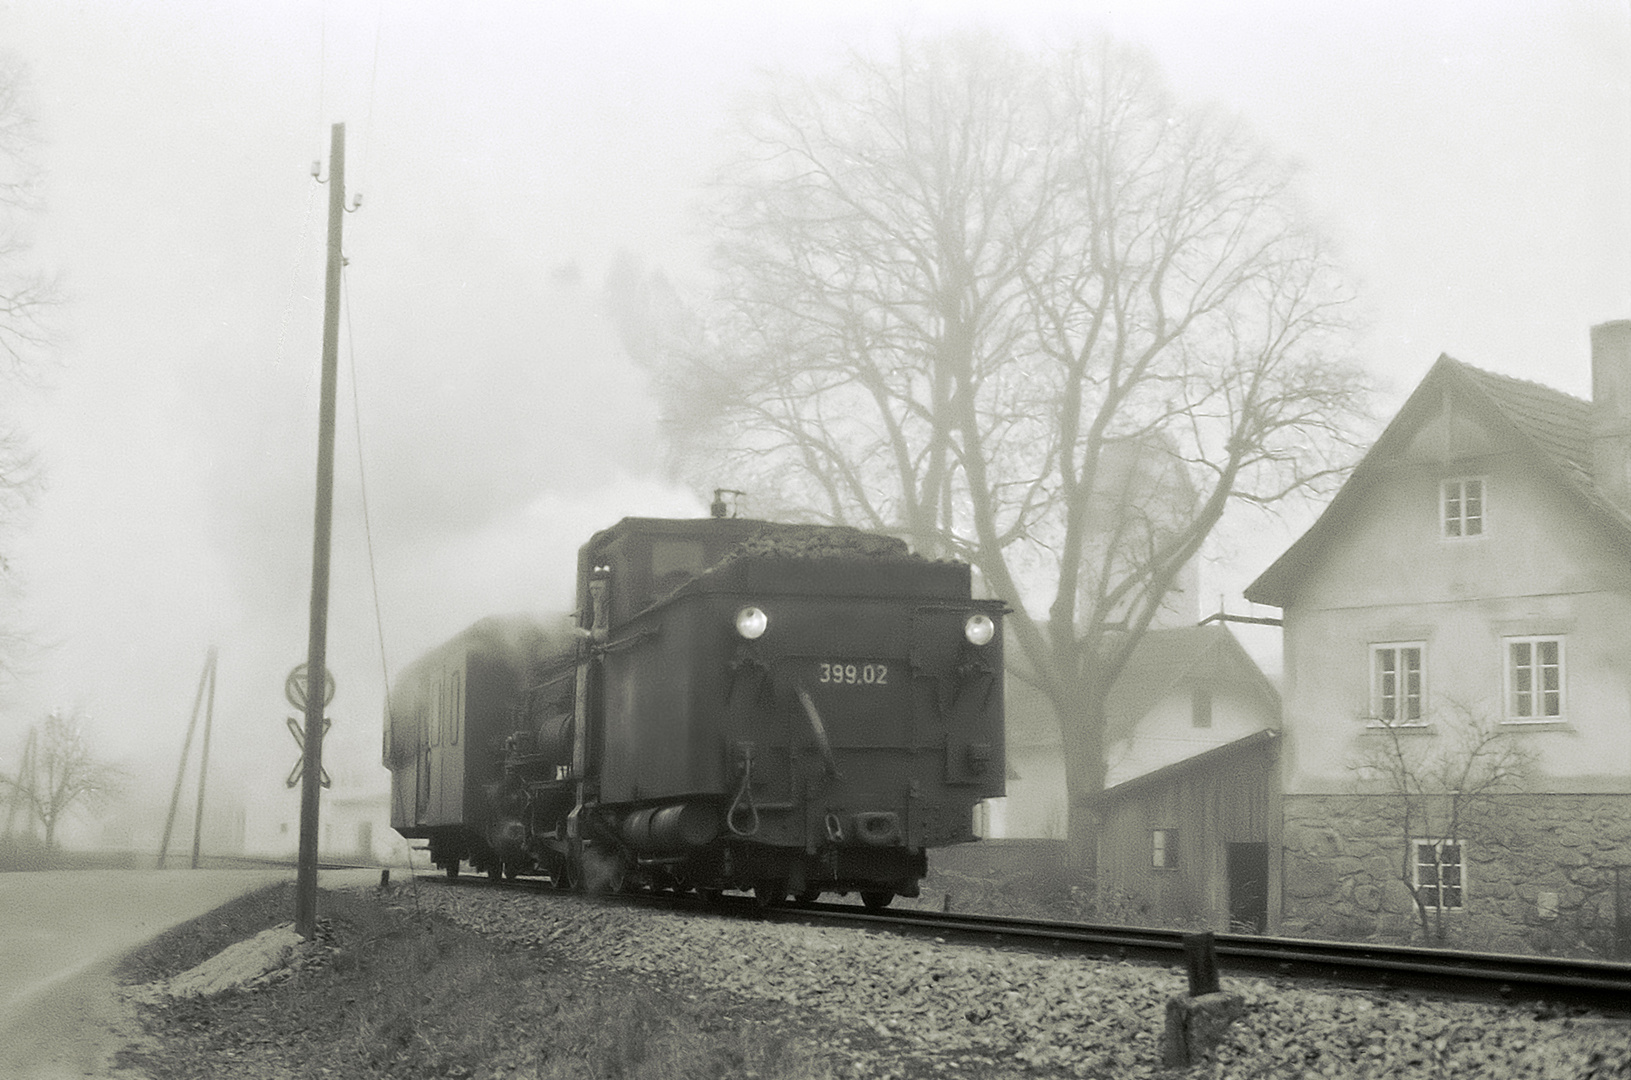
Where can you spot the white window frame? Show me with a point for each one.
(1510, 672)
(1436, 889)
(1454, 491)
(1164, 849)
(1378, 695)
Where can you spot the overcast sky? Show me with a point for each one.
(1472, 160)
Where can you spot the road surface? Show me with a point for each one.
(63, 932)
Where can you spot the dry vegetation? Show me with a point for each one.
(392, 993)
(432, 980)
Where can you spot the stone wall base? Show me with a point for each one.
(1540, 875)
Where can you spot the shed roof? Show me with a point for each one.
(1258, 742)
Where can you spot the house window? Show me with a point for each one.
(1463, 504)
(1438, 873)
(1396, 683)
(1200, 708)
(1164, 849)
(1534, 678)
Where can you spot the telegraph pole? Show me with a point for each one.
(208, 676)
(305, 919)
(204, 761)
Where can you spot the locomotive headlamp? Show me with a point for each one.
(751, 622)
(979, 629)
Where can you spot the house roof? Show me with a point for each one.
(1162, 662)
(1551, 428)
(1265, 741)
(1187, 654)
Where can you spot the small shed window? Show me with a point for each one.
(1164, 849)
(1200, 708)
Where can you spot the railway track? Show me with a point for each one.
(1597, 985)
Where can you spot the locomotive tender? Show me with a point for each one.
(739, 704)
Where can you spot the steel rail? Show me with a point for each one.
(1596, 984)
(1601, 986)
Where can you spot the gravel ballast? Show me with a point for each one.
(959, 1010)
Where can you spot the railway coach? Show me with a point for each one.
(735, 705)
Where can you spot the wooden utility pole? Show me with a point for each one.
(204, 759)
(305, 918)
(208, 676)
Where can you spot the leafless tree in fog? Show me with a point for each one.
(63, 775)
(27, 298)
(1033, 313)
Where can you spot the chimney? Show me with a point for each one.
(1611, 410)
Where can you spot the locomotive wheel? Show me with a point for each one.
(768, 894)
(710, 896)
(511, 871)
(876, 899)
(495, 871)
(452, 870)
(808, 896)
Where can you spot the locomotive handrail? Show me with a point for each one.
(820, 729)
(629, 642)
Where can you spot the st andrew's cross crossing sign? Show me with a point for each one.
(294, 691)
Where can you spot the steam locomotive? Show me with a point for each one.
(736, 705)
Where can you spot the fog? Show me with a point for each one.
(1472, 160)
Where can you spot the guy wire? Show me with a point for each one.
(362, 480)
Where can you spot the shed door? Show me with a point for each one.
(1249, 887)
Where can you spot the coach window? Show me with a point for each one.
(673, 563)
(458, 705)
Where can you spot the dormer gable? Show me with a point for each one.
(1457, 418)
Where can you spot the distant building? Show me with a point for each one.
(353, 823)
(1476, 567)
(1184, 691)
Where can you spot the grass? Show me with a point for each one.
(395, 994)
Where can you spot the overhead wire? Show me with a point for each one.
(373, 82)
(322, 72)
(356, 424)
(356, 408)
(362, 477)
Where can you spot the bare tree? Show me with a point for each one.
(27, 299)
(970, 294)
(63, 774)
(26, 295)
(1439, 791)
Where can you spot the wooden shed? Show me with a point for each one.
(1195, 843)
